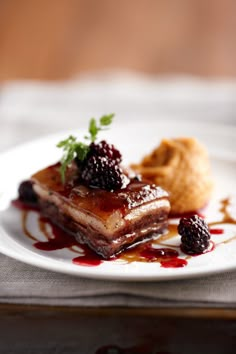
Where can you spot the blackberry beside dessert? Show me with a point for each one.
(195, 235)
(90, 196)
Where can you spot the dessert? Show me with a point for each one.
(90, 196)
(106, 221)
(180, 166)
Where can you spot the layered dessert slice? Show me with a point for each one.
(107, 221)
(90, 196)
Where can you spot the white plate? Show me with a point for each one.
(134, 140)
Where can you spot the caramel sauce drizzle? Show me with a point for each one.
(143, 251)
(24, 226)
(171, 233)
(42, 224)
(43, 228)
(227, 218)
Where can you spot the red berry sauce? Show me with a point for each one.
(216, 231)
(17, 203)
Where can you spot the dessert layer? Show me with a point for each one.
(106, 221)
(104, 244)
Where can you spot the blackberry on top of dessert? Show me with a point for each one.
(98, 163)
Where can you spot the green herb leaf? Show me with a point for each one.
(82, 151)
(76, 149)
(106, 119)
(66, 142)
(93, 129)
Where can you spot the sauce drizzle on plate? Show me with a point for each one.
(157, 250)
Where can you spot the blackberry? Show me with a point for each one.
(104, 173)
(104, 149)
(195, 235)
(26, 192)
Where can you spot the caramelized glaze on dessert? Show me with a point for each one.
(97, 201)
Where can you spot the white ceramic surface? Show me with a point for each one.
(134, 140)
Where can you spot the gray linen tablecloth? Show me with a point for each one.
(22, 283)
(29, 110)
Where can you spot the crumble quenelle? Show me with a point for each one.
(181, 166)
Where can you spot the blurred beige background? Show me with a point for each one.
(59, 39)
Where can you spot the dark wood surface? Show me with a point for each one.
(40, 329)
(59, 39)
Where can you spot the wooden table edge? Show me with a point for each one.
(182, 312)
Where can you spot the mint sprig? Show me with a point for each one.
(76, 149)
